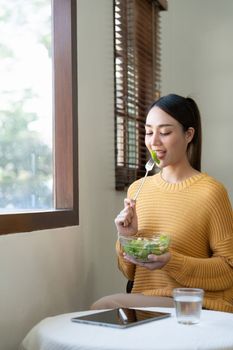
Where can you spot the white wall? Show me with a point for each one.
(58, 271)
(197, 55)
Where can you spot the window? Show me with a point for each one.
(61, 209)
(137, 82)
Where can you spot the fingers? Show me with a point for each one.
(125, 217)
(155, 261)
(162, 259)
(129, 203)
(158, 261)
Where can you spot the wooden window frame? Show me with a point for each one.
(65, 131)
(137, 82)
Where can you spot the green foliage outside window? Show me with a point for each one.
(26, 180)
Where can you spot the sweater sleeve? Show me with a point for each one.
(216, 272)
(127, 268)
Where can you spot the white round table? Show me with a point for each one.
(215, 331)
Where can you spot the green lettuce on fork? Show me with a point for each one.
(154, 157)
(139, 248)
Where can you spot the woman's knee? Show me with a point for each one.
(131, 300)
(107, 302)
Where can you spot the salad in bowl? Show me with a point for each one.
(140, 247)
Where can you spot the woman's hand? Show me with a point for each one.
(127, 221)
(155, 261)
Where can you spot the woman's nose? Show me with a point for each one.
(155, 140)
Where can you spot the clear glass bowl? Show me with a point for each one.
(140, 247)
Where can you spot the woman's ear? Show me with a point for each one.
(189, 133)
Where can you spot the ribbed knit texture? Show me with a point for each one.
(197, 215)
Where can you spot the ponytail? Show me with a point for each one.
(195, 146)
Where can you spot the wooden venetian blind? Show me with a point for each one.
(137, 82)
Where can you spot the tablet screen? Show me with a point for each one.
(121, 317)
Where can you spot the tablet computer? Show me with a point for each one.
(121, 317)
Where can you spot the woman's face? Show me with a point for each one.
(165, 135)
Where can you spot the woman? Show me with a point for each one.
(192, 207)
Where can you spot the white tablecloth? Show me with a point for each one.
(215, 331)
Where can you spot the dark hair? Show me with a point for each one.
(186, 112)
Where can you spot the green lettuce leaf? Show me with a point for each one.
(154, 157)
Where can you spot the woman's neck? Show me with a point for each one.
(175, 174)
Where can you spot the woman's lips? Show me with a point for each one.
(160, 154)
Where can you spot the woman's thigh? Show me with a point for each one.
(131, 300)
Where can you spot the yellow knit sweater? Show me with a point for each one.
(197, 215)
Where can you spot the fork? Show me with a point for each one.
(149, 166)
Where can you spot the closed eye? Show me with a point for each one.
(150, 132)
(165, 133)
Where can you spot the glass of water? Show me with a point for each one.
(188, 304)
